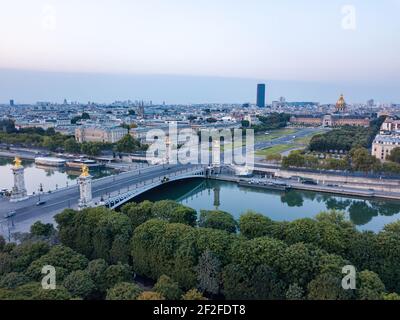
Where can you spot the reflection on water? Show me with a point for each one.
(367, 214)
(50, 177)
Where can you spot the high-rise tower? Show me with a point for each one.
(261, 95)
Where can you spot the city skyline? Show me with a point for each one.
(26, 87)
(306, 44)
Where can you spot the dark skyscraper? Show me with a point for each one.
(261, 95)
(11, 103)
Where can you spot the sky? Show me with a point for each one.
(186, 51)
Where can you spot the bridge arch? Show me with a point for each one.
(121, 199)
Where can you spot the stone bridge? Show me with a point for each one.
(119, 200)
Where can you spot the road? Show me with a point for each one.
(27, 212)
(302, 133)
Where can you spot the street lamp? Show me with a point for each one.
(40, 189)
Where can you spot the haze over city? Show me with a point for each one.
(187, 52)
(211, 151)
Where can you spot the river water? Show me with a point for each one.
(200, 194)
(51, 178)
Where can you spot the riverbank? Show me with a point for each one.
(348, 190)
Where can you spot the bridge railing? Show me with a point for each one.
(115, 201)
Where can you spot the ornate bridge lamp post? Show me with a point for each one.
(18, 192)
(167, 150)
(40, 190)
(85, 188)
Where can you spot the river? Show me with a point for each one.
(366, 214)
(51, 178)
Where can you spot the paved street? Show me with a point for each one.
(303, 132)
(27, 212)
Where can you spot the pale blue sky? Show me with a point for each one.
(286, 41)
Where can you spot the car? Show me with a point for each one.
(309, 182)
(9, 214)
(40, 203)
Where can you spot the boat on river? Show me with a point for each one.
(50, 161)
(265, 184)
(79, 163)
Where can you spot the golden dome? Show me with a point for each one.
(341, 104)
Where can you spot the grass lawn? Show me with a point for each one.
(274, 134)
(306, 140)
(279, 148)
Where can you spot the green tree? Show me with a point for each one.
(370, 286)
(96, 233)
(27, 252)
(294, 292)
(49, 143)
(79, 284)
(159, 247)
(64, 259)
(276, 157)
(217, 220)
(245, 123)
(168, 288)
(7, 125)
(302, 230)
(193, 294)
(364, 250)
(42, 230)
(298, 264)
(173, 212)
(363, 161)
(128, 144)
(394, 155)
(391, 296)
(60, 293)
(150, 295)
(388, 244)
(328, 286)
(90, 148)
(85, 116)
(258, 251)
(117, 273)
(391, 167)
(209, 273)
(97, 272)
(254, 225)
(24, 292)
(12, 280)
(71, 146)
(138, 213)
(6, 263)
(124, 291)
(2, 243)
(260, 284)
(337, 164)
(294, 159)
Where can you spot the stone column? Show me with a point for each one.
(85, 188)
(217, 201)
(167, 150)
(18, 191)
(216, 156)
